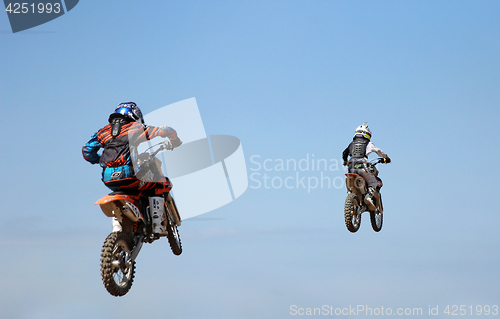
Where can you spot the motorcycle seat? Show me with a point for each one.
(131, 193)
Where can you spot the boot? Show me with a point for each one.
(369, 199)
(116, 225)
(157, 210)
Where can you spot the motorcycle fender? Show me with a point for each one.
(355, 183)
(115, 206)
(131, 211)
(111, 209)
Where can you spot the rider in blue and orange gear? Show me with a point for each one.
(119, 139)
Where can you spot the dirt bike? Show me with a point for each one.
(132, 226)
(354, 203)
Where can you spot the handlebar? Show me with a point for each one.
(145, 156)
(379, 160)
(165, 145)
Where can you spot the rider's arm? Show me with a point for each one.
(372, 148)
(151, 132)
(90, 150)
(172, 136)
(345, 154)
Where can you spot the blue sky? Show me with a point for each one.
(290, 79)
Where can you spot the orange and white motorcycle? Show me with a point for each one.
(137, 220)
(354, 203)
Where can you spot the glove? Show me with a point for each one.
(176, 142)
(167, 131)
(167, 145)
(387, 160)
(346, 163)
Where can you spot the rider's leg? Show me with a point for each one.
(155, 190)
(157, 210)
(116, 225)
(371, 182)
(369, 198)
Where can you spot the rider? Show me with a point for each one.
(359, 149)
(119, 139)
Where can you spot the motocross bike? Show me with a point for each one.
(132, 226)
(354, 203)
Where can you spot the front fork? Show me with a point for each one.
(380, 206)
(171, 211)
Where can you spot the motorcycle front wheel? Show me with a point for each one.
(351, 216)
(377, 217)
(116, 271)
(174, 239)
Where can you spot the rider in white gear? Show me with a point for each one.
(358, 150)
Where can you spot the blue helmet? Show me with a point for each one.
(130, 110)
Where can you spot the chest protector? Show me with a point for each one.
(357, 149)
(116, 147)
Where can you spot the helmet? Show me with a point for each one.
(128, 109)
(363, 131)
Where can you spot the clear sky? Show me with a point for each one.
(292, 80)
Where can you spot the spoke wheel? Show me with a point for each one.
(174, 239)
(377, 217)
(116, 271)
(351, 215)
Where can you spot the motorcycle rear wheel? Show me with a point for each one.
(351, 217)
(117, 275)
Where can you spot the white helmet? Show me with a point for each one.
(363, 131)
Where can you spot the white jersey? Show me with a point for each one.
(372, 148)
